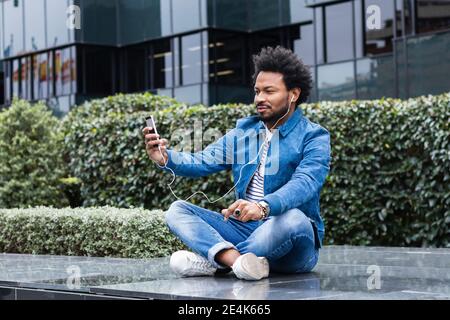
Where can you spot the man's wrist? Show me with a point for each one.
(265, 209)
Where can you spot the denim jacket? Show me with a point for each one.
(296, 166)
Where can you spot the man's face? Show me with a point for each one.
(271, 96)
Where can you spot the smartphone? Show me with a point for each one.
(150, 121)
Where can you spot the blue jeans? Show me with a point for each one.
(286, 240)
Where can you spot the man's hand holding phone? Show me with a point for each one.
(152, 141)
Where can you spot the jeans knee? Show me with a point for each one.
(173, 213)
(296, 222)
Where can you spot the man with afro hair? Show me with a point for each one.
(275, 223)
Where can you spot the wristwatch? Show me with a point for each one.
(265, 209)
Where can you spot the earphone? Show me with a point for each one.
(240, 171)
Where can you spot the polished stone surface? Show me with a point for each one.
(343, 272)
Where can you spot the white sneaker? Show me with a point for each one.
(250, 267)
(190, 264)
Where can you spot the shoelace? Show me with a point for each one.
(200, 264)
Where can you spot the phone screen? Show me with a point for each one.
(151, 123)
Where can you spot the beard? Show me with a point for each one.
(273, 116)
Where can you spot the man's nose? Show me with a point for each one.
(260, 98)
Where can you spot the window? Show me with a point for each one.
(8, 78)
(186, 15)
(25, 78)
(16, 78)
(339, 32)
(64, 65)
(336, 81)
(263, 14)
(432, 15)
(41, 76)
(375, 77)
(379, 37)
(57, 31)
(226, 55)
(319, 33)
(303, 43)
(34, 25)
(13, 36)
(189, 94)
(136, 68)
(296, 11)
(162, 64)
(191, 59)
(97, 63)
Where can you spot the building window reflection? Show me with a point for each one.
(226, 55)
(163, 64)
(339, 32)
(191, 59)
(336, 81)
(379, 37)
(35, 25)
(432, 15)
(302, 42)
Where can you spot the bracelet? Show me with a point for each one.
(262, 211)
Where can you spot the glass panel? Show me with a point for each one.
(1, 31)
(375, 78)
(135, 74)
(164, 92)
(263, 14)
(190, 94)
(191, 59)
(176, 60)
(162, 61)
(63, 70)
(166, 18)
(432, 15)
(205, 94)
(407, 12)
(35, 71)
(359, 37)
(98, 64)
(226, 52)
(339, 32)
(379, 26)
(16, 78)
(320, 42)
(26, 78)
(182, 9)
(73, 68)
(228, 14)
(141, 20)
(34, 25)
(205, 58)
(57, 31)
(43, 77)
(99, 21)
(7, 66)
(398, 16)
(50, 75)
(304, 45)
(336, 81)
(13, 20)
(428, 64)
(295, 11)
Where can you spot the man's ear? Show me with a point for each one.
(295, 94)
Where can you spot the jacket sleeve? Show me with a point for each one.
(214, 158)
(309, 176)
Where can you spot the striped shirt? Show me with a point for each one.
(255, 190)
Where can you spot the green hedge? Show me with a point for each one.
(389, 179)
(102, 231)
(31, 165)
(388, 185)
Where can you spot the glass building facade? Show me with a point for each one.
(200, 51)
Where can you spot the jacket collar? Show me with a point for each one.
(291, 122)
